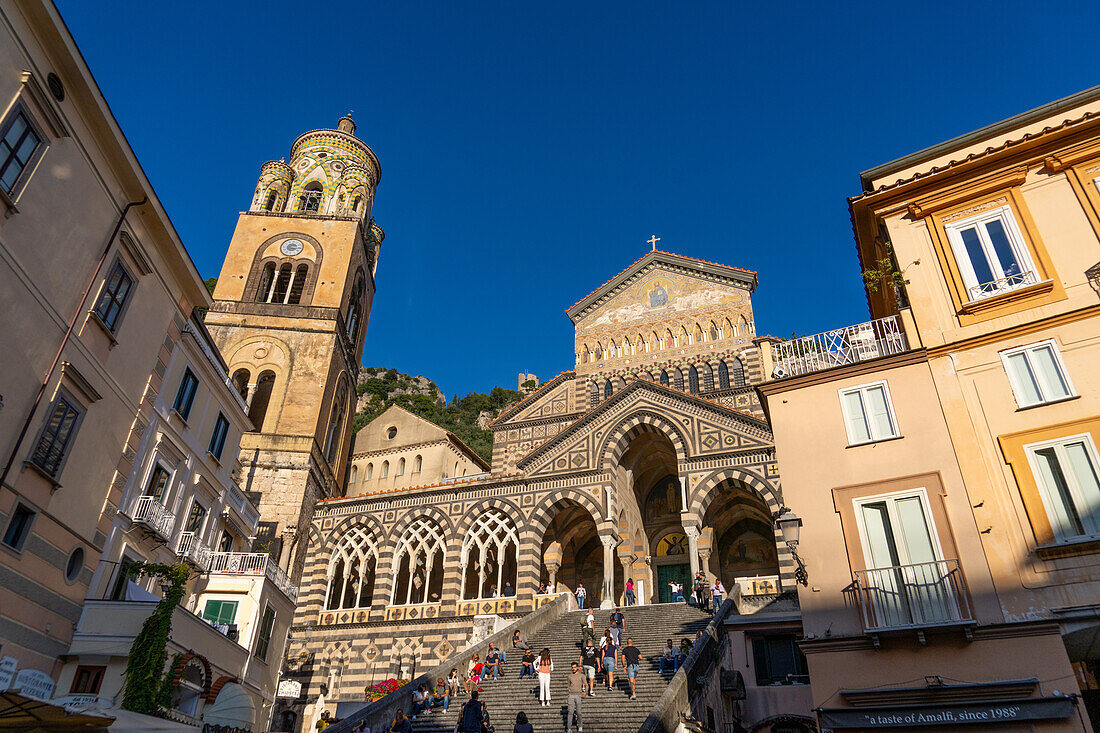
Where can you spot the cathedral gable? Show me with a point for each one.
(701, 429)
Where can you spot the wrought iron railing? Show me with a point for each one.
(252, 563)
(193, 550)
(1003, 285)
(150, 512)
(912, 596)
(870, 340)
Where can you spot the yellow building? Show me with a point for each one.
(948, 482)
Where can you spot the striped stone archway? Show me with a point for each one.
(618, 440)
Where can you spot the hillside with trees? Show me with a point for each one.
(466, 417)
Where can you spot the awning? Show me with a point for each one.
(18, 713)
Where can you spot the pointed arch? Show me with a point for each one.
(350, 577)
(737, 372)
(618, 440)
(490, 554)
(693, 380)
(418, 563)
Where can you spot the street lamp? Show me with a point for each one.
(789, 525)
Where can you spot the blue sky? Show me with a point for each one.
(528, 151)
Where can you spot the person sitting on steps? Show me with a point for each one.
(492, 664)
(670, 657)
(527, 664)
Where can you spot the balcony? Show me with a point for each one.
(1003, 285)
(252, 563)
(192, 550)
(848, 345)
(150, 513)
(918, 596)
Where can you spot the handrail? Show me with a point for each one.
(150, 512)
(665, 715)
(379, 713)
(912, 596)
(191, 548)
(869, 340)
(252, 563)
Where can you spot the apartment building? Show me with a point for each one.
(942, 500)
(183, 503)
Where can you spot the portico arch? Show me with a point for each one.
(565, 529)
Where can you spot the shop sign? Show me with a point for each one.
(981, 713)
(7, 672)
(34, 684)
(290, 689)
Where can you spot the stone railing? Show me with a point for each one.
(379, 714)
(667, 714)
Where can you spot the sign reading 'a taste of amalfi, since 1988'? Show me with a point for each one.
(1008, 711)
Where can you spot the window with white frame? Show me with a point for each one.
(991, 253)
(1066, 473)
(1037, 374)
(868, 413)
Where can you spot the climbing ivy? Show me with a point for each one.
(144, 689)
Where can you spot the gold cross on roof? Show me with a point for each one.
(653, 239)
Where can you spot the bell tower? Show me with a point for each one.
(290, 315)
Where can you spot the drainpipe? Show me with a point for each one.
(65, 338)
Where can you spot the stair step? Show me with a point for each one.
(607, 711)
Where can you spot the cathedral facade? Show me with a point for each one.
(648, 461)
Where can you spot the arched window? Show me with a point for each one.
(608, 388)
(743, 324)
(401, 467)
(585, 356)
(593, 394)
(310, 198)
(698, 334)
(267, 280)
(738, 372)
(385, 469)
(351, 571)
(713, 331)
(599, 351)
(336, 423)
(278, 291)
(297, 284)
(693, 380)
(355, 307)
(723, 376)
(269, 205)
(728, 329)
(354, 474)
(683, 336)
(418, 564)
(240, 382)
(418, 464)
(664, 378)
(489, 554)
(355, 203)
(370, 472)
(261, 397)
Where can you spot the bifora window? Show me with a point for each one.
(868, 415)
(56, 437)
(17, 147)
(991, 253)
(1037, 374)
(1066, 473)
(115, 295)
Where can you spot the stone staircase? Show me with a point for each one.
(606, 712)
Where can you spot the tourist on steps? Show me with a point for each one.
(546, 666)
(717, 590)
(590, 663)
(630, 591)
(522, 726)
(421, 701)
(685, 649)
(618, 626)
(518, 642)
(400, 723)
(452, 682)
(670, 657)
(441, 696)
(610, 655)
(472, 716)
(527, 664)
(573, 703)
(492, 663)
(580, 595)
(473, 676)
(632, 658)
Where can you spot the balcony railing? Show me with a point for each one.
(1003, 285)
(193, 550)
(151, 513)
(912, 596)
(806, 354)
(252, 563)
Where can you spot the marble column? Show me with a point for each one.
(704, 563)
(608, 600)
(692, 533)
(288, 536)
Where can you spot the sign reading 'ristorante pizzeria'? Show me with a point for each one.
(1007, 711)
